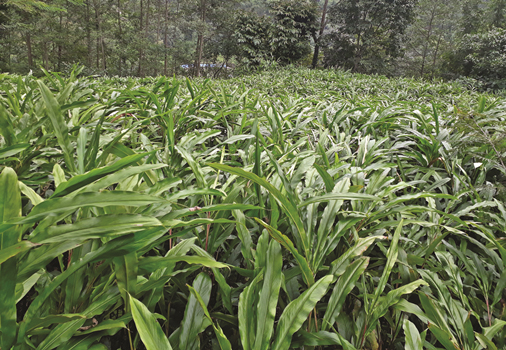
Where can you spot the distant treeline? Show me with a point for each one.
(452, 39)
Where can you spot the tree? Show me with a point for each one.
(472, 16)
(432, 34)
(252, 34)
(367, 34)
(319, 34)
(294, 23)
(204, 19)
(498, 9)
(4, 61)
(482, 56)
(283, 36)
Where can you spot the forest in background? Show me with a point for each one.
(453, 39)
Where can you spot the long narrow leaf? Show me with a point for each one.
(297, 311)
(149, 329)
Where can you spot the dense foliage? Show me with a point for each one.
(283, 38)
(411, 38)
(286, 209)
(483, 57)
(367, 33)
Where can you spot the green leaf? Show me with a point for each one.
(97, 227)
(13, 250)
(485, 342)
(52, 319)
(392, 298)
(59, 125)
(63, 332)
(10, 208)
(31, 194)
(6, 127)
(297, 312)
(193, 192)
(41, 256)
(245, 237)
(341, 290)
(82, 138)
(101, 200)
(109, 324)
(114, 246)
(59, 175)
(125, 268)
(339, 196)
(148, 327)
(10, 200)
(391, 260)
(79, 181)
(127, 172)
(193, 321)
(285, 241)
(152, 264)
(327, 179)
(222, 339)
(22, 288)
(321, 338)
(412, 336)
(443, 337)
(10, 151)
(490, 332)
(339, 265)
(247, 312)
(266, 309)
(434, 313)
(225, 290)
(287, 206)
(405, 306)
(195, 167)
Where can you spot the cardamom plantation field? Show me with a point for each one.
(288, 209)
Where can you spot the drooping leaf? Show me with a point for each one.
(341, 290)
(297, 311)
(10, 208)
(222, 339)
(148, 327)
(100, 199)
(412, 336)
(59, 125)
(80, 181)
(268, 299)
(285, 241)
(194, 320)
(287, 206)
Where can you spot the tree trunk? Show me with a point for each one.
(200, 46)
(435, 54)
(29, 50)
(139, 70)
(99, 32)
(200, 40)
(45, 56)
(316, 53)
(120, 38)
(427, 40)
(166, 24)
(320, 33)
(146, 32)
(358, 54)
(88, 33)
(60, 42)
(104, 60)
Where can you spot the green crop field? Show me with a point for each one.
(290, 209)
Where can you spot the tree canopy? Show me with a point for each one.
(425, 38)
